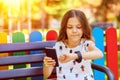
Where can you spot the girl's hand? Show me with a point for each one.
(49, 62)
(67, 57)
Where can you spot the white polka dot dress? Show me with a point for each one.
(73, 70)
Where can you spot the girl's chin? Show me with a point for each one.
(75, 40)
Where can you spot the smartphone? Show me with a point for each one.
(51, 52)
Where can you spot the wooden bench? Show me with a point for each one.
(34, 58)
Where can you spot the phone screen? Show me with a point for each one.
(51, 52)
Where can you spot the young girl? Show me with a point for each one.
(75, 49)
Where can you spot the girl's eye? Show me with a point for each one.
(79, 27)
(69, 27)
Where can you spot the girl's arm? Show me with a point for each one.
(92, 53)
(49, 64)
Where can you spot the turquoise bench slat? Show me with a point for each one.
(98, 35)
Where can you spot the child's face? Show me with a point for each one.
(74, 29)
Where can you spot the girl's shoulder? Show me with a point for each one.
(59, 43)
(87, 42)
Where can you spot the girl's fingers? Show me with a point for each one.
(49, 61)
(50, 64)
(62, 58)
(47, 58)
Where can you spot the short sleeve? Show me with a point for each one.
(87, 43)
(57, 44)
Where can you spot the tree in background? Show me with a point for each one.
(41, 12)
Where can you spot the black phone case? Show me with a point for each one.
(51, 52)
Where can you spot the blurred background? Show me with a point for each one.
(26, 16)
(29, 15)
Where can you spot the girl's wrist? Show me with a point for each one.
(75, 57)
(79, 56)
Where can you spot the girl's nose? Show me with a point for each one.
(74, 29)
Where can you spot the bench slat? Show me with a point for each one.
(21, 59)
(3, 40)
(14, 47)
(99, 42)
(36, 36)
(19, 73)
(112, 50)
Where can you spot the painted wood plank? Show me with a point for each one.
(36, 36)
(51, 35)
(16, 38)
(112, 50)
(98, 35)
(3, 40)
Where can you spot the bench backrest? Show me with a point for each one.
(23, 59)
(28, 59)
(36, 46)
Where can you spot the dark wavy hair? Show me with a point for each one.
(83, 20)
